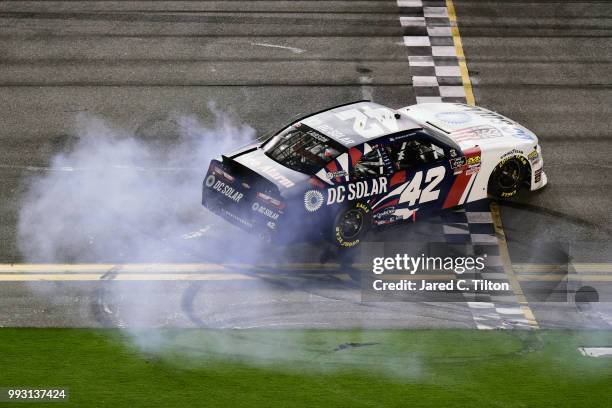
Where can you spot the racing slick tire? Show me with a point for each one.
(351, 224)
(508, 177)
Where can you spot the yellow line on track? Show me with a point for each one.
(570, 268)
(533, 272)
(103, 268)
(569, 277)
(501, 236)
(465, 76)
(507, 265)
(152, 272)
(155, 268)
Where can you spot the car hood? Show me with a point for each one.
(470, 126)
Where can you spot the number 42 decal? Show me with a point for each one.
(369, 122)
(411, 192)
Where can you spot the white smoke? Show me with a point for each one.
(116, 197)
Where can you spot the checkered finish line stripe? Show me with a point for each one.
(439, 74)
(471, 231)
(432, 55)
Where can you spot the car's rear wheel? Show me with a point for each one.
(508, 177)
(351, 224)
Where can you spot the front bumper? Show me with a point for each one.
(538, 177)
(542, 181)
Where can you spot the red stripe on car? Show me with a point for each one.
(332, 166)
(461, 182)
(398, 178)
(454, 195)
(355, 154)
(389, 204)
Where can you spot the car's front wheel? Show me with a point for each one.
(508, 177)
(351, 224)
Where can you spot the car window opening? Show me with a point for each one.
(302, 149)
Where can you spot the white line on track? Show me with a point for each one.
(292, 49)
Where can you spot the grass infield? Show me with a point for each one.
(296, 368)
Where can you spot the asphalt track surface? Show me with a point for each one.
(545, 64)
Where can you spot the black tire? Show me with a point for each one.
(508, 177)
(351, 224)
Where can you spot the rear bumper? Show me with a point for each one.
(254, 204)
(255, 218)
(245, 214)
(217, 207)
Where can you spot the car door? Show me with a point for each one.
(420, 177)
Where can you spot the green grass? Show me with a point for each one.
(428, 368)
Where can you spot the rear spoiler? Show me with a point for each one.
(249, 176)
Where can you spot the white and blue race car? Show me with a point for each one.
(339, 172)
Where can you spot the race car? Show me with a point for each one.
(339, 172)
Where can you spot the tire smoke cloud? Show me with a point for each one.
(116, 197)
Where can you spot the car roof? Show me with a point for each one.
(359, 122)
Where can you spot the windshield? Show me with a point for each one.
(302, 149)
